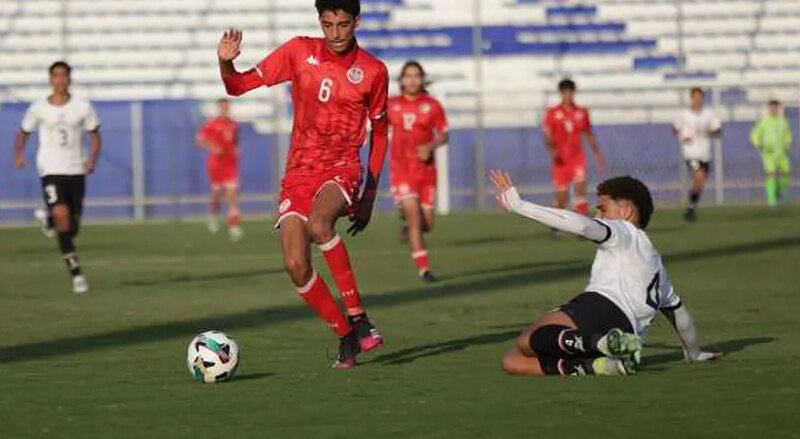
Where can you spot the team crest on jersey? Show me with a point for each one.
(355, 75)
(312, 60)
(285, 205)
(559, 115)
(425, 108)
(395, 107)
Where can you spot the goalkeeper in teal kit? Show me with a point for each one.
(772, 137)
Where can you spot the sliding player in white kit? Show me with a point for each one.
(598, 332)
(695, 129)
(61, 162)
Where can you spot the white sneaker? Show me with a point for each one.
(41, 216)
(213, 225)
(235, 233)
(79, 285)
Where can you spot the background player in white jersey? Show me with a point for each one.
(598, 332)
(695, 129)
(61, 160)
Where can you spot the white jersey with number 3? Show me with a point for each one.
(61, 128)
(628, 271)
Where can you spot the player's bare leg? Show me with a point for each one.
(416, 241)
(402, 236)
(429, 219)
(561, 202)
(580, 202)
(67, 228)
(329, 205)
(295, 242)
(214, 206)
(553, 345)
(698, 183)
(234, 214)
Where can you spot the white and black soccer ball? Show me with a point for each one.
(212, 357)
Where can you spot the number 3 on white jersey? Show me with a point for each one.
(325, 90)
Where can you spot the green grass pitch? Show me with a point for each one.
(111, 364)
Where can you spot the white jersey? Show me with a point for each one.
(61, 127)
(628, 271)
(694, 131)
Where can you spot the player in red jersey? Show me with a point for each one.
(336, 88)
(419, 126)
(220, 136)
(564, 127)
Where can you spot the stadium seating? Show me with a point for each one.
(150, 49)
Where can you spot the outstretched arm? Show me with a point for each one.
(236, 83)
(560, 219)
(684, 326)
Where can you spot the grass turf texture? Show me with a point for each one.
(112, 363)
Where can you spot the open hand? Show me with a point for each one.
(89, 166)
(19, 161)
(230, 45)
(502, 183)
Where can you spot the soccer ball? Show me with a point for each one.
(212, 357)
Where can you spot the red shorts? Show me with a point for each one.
(415, 184)
(298, 192)
(223, 176)
(567, 171)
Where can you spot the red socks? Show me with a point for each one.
(339, 263)
(318, 297)
(234, 220)
(421, 259)
(582, 206)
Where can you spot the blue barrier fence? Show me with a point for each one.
(175, 178)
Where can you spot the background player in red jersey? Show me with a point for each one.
(419, 126)
(564, 127)
(336, 88)
(220, 136)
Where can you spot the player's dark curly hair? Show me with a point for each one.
(352, 7)
(566, 84)
(60, 65)
(697, 90)
(633, 190)
(415, 63)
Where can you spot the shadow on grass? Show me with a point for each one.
(727, 348)
(286, 313)
(185, 277)
(252, 376)
(414, 353)
(498, 239)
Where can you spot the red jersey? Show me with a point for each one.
(333, 96)
(565, 126)
(414, 122)
(221, 133)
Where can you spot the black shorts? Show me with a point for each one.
(64, 189)
(698, 165)
(593, 313)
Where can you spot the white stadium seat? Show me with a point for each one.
(150, 49)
